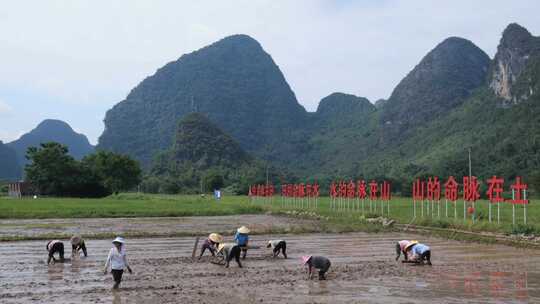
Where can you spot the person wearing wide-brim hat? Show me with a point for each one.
(117, 261)
(418, 253)
(242, 239)
(211, 244)
(230, 251)
(77, 243)
(400, 248)
(318, 262)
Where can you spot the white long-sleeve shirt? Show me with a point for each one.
(116, 260)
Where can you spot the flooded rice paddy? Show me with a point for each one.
(363, 271)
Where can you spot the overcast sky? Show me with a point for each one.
(73, 60)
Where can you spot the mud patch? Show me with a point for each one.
(151, 226)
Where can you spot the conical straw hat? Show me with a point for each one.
(243, 229)
(410, 245)
(305, 259)
(216, 238)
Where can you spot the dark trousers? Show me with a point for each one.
(81, 246)
(281, 246)
(206, 246)
(426, 256)
(323, 271)
(58, 247)
(234, 253)
(117, 276)
(244, 251)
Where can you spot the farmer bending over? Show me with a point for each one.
(400, 248)
(417, 253)
(211, 244)
(318, 262)
(277, 246)
(242, 239)
(77, 243)
(230, 251)
(53, 247)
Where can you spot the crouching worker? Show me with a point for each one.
(277, 246)
(211, 243)
(77, 243)
(400, 248)
(318, 262)
(117, 261)
(53, 247)
(418, 253)
(242, 239)
(230, 251)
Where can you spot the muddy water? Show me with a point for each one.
(363, 271)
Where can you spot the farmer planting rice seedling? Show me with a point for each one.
(320, 263)
(211, 243)
(417, 253)
(242, 239)
(277, 247)
(228, 252)
(78, 244)
(53, 247)
(400, 249)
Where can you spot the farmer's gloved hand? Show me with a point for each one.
(129, 269)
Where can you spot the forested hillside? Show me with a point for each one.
(455, 99)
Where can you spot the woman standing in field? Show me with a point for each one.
(117, 261)
(53, 247)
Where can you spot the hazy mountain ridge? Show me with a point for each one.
(9, 164)
(49, 130)
(52, 130)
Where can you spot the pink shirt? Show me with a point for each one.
(403, 244)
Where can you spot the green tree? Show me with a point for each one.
(53, 172)
(117, 172)
(51, 169)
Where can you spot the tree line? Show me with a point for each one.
(52, 171)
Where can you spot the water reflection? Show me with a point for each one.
(55, 272)
(494, 284)
(117, 299)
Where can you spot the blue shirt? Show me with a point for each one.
(419, 249)
(241, 239)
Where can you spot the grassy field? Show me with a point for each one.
(124, 205)
(402, 211)
(345, 219)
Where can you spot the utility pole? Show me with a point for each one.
(470, 164)
(201, 186)
(267, 174)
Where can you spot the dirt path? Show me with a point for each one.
(363, 271)
(164, 226)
